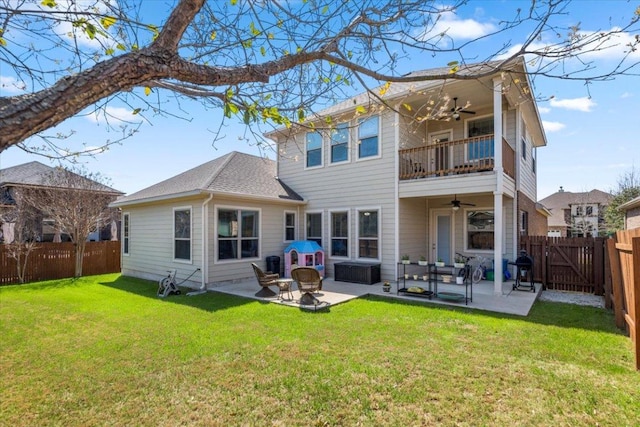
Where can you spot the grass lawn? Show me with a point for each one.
(104, 350)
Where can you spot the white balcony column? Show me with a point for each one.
(498, 214)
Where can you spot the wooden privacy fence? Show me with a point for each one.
(624, 255)
(568, 263)
(57, 260)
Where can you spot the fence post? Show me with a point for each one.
(616, 282)
(598, 260)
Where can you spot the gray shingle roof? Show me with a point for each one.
(234, 173)
(561, 200)
(37, 174)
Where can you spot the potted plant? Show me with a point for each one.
(423, 260)
(386, 286)
(459, 263)
(405, 259)
(439, 263)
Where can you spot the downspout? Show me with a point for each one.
(396, 224)
(204, 269)
(497, 195)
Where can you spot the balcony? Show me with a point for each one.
(465, 156)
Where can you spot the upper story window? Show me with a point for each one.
(479, 127)
(524, 148)
(314, 227)
(533, 159)
(368, 137)
(238, 234)
(313, 148)
(340, 143)
(125, 233)
(182, 234)
(589, 210)
(289, 226)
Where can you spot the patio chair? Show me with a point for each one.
(265, 280)
(309, 281)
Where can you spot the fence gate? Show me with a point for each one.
(568, 263)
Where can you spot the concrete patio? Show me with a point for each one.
(517, 302)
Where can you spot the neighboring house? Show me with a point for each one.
(37, 175)
(576, 214)
(377, 186)
(631, 213)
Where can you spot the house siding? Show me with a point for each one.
(151, 242)
(353, 185)
(632, 218)
(528, 180)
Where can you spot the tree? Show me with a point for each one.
(264, 62)
(22, 218)
(628, 189)
(76, 201)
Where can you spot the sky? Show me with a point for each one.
(592, 134)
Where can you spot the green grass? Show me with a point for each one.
(104, 350)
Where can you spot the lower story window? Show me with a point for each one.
(238, 234)
(339, 234)
(314, 227)
(182, 234)
(368, 234)
(480, 226)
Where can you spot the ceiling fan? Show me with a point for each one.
(455, 203)
(455, 111)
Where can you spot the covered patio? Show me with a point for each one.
(510, 302)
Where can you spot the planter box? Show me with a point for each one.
(458, 264)
(357, 272)
(439, 264)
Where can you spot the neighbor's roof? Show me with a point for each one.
(37, 174)
(561, 200)
(633, 203)
(235, 173)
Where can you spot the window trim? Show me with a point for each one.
(379, 239)
(126, 233)
(174, 238)
(347, 126)
(285, 226)
(379, 136)
(306, 225)
(348, 238)
(306, 151)
(216, 246)
(466, 228)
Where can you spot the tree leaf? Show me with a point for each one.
(147, 90)
(110, 51)
(49, 3)
(108, 21)
(263, 51)
(136, 111)
(360, 109)
(213, 35)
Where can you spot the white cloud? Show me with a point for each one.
(626, 95)
(457, 29)
(11, 85)
(544, 110)
(113, 115)
(578, 104)
(552, 126)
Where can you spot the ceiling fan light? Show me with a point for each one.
(455, 207)
(455, 115)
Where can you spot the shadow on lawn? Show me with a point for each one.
(557, 314)
(209, 301)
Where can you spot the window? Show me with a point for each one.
(289, 226)
(340, 234)
(368, 234)
(125, 234)
(314, 149)
(182, 234)
(524, 223)
(479, 231)
(533, 159)
(524, 149)
(579, 210)
(238, 234)
(314, 227)
(484, 148)
(340, 143)
(368, 137)
(589, 210)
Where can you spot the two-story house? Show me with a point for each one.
(383, 181)
(576, 214)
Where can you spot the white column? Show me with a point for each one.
(498, 234)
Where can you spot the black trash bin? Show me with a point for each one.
(273, 264)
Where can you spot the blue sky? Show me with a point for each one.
(592, 140)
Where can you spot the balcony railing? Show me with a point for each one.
(463, 156)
